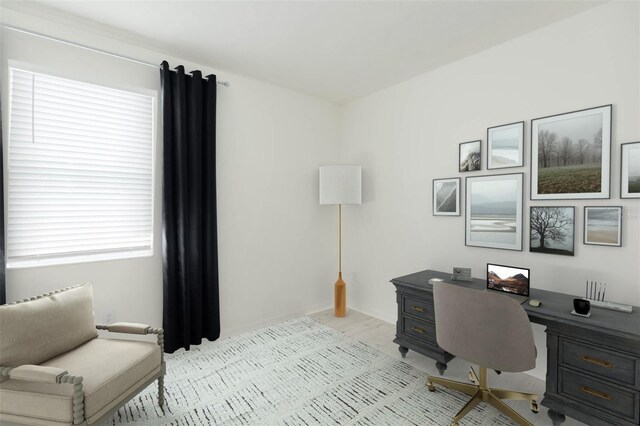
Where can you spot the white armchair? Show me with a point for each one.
(56, 370)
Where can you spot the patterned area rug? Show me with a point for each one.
(299, 372)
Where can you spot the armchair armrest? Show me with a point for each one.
(37, 373)
(125, 327)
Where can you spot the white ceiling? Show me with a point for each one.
(336, 50)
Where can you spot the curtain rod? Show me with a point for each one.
(93, 49)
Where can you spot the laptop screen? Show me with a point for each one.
(508, 279)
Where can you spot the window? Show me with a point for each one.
(80, 163)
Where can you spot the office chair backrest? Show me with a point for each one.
(485, 328)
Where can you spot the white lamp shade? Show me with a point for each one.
(341, 184)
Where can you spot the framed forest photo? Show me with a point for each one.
(552, 230)
(603, 226)
(505, 146)
(469, 153)
(446, 197)
(493, 211)
(630, 170)
(571, 155)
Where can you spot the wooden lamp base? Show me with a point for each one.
(340, 308)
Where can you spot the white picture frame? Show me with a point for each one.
(494, 211)
(630, 170)
(603, 226)
(446, 197)
(505, 146)
(571, 155)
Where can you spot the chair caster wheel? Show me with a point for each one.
(454, 424)
(430, 387)
(534, 406)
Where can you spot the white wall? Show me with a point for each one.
(407, 135)
(275, 258)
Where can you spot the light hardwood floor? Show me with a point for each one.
(380, 334)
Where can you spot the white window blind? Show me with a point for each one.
(80, 171)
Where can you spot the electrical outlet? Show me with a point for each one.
(109, 316)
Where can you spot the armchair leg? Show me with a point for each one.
(161, 391)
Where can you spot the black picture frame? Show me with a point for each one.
(488, 162)
(519, 218)
(433, 197)
(585, 231)
(479, 153)
(552, 250)
(624, 189)
(579, 176)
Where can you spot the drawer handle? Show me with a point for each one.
(419, 330)
(596, 361)
(418, 308)
(594, 392)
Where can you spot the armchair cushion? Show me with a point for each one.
(111, 369)
(43, 328)
(37, 373)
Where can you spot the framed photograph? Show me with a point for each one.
(552, 230)
(630, 170)
(469, 156)
(571, 155)
(446, 197)
(505, 146)
(603, 226)
(493, 212)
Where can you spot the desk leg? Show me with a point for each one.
(556, 418)
(403, 351)
(441, 366)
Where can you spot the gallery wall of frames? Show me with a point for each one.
(570, 159)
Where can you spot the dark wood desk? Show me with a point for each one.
(593, 364)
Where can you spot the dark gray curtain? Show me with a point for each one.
(190, 236)
(3, 265)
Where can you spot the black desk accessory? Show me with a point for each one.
(581, 306)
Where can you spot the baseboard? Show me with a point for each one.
(265, 322)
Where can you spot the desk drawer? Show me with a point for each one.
(612, 365)
(421, 308)
(421, 330)
(596, 393)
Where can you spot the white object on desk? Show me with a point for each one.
(613, 306)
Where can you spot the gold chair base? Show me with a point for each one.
(481, 393)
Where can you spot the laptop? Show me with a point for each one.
(509, 280)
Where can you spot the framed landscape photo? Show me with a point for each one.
(630, 170)
(469, 153)
(446, 197)
(505, 146)
(603, 226)
(552, 230)
(493, 211)
(571, 155)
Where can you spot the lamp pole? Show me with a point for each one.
(340, 304)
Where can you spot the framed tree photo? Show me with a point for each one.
(630, 170)
(469, 153)
(571, 155)
(603, 226)
(446, 197)
(552, 230)
(493, 212)
(505, 146)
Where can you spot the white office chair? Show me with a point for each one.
(487, 329)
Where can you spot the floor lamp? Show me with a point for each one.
(340, 185)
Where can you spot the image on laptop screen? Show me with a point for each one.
(508, 279)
